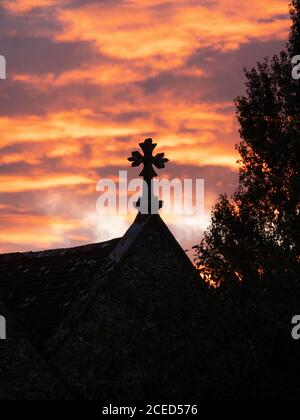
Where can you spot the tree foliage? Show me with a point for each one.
(251, 250)
(254, 235)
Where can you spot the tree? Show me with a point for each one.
(251, 250)
(254, 235)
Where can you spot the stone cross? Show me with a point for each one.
(150, 203)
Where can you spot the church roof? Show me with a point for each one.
(67, 308)
(40, 287)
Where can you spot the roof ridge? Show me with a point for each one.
(55, 251)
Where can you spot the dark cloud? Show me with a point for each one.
(41, 55)
(273, 18)
(36, 21)
(218, 179)
(225, 69)
(81, 3)
(224, 76)
(20, 98)
(131, 116)
(27, 42)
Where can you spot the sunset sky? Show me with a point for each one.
(88, 80)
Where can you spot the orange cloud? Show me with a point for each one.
(61, 134)
(137, 30)
(35, 231)
(13, 184)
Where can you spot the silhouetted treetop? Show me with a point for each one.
(259, 225)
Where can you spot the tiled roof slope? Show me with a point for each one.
(39, 287)
(142, 229)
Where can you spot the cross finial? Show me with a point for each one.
(148, 173)
(148, 159)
